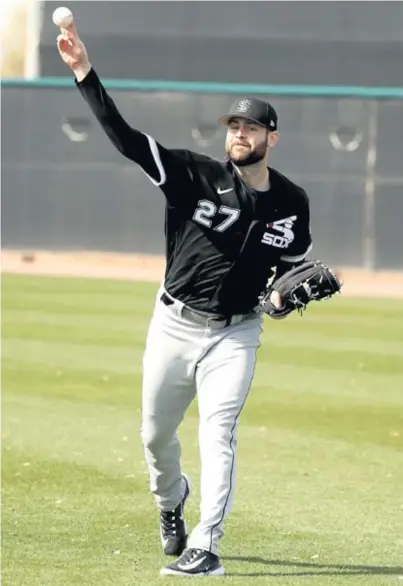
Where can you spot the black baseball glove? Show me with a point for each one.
(310, 281)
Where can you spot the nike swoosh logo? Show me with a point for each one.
(192, 565)
(221, 191)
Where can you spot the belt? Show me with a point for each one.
(209, 321)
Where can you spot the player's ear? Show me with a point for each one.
(273, 138)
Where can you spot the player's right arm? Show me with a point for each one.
(161, 165)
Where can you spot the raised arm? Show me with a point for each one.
(161, 165)
(133, 144)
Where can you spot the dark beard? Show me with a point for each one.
(251, 159)
(254, 157)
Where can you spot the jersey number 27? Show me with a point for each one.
(206, 210)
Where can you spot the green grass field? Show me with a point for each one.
(319, 499)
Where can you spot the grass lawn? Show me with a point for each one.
(319, 498)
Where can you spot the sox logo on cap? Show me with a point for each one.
(244, 105)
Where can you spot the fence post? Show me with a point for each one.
(369, 243)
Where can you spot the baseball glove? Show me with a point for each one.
(310, 281)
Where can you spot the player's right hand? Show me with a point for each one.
(72, 50)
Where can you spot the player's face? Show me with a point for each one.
(247, 143)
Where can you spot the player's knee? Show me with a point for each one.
(153, 437)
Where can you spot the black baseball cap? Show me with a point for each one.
(253, 109)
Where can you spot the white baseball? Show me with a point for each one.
(62, 17)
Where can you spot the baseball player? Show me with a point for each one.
(226, 224)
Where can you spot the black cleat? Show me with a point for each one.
(173, 528)
(195, 562)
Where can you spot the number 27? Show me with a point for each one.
(207, 210)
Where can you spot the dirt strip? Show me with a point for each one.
(141, 267)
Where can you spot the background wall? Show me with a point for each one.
(347, 43)
(64, 187)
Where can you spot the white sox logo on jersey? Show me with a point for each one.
(284, 234)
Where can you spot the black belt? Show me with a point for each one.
(206, 320)
(166, 300)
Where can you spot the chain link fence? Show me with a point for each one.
(64, 187)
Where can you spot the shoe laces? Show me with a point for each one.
(189, 555)
(169, 521)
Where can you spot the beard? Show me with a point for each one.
(247, 156)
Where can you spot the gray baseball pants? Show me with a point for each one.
(183, 360)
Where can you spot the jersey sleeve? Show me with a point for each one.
(302, 243)
(164, 168)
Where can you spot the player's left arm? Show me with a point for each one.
(299, 249)
(301, 246)
(295, 286)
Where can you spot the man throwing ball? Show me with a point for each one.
(227, 224)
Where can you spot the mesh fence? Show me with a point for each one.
(64, 187)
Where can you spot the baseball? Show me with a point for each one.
(62, 17)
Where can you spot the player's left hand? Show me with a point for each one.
(275, 300)
(310, 281)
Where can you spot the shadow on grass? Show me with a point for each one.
(312, 569)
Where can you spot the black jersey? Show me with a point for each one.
(222, 237)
